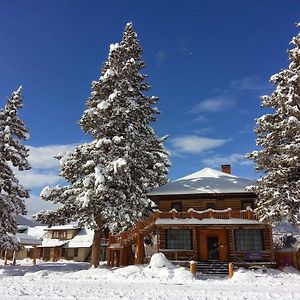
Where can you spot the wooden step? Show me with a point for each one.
(212, 268)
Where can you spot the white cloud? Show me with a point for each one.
(236, 159)
(35, 178)
(201, 119)
(248, 84)
(34, 205)
(44, 167)
(43, 157)
(227, 98)
(214, 104)
(160, 57)
(195, 144)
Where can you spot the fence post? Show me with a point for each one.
(230, 269)
(193, 266)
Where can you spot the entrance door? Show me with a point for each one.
(213, 248)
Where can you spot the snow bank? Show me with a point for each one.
(159, 260)
(160, 280)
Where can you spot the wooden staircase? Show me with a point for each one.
(212, 268)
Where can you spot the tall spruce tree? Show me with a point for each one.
(279, 136)
(110, 176)
(12, 153)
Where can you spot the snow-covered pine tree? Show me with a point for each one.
(278, 134)
(110, 176)
(12, 153)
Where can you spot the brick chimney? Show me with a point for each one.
(226, 169)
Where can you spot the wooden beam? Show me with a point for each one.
(14, 258)
(5, 257)
(230, 270)
(34, 255)
(193, 267)
(140, 251)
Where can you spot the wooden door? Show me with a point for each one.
(213, 247)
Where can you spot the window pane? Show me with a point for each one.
(248, 240)
(179, 239)
(176, 205)
(210, 205)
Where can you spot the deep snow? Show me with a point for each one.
(70, 280)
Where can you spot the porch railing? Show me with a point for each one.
(146, 226)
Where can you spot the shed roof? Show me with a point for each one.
(205, 181)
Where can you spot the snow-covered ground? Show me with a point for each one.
(70, 280)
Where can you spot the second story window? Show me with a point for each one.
(211, 205)
(176, 205)
(246, 204)
(59, 234)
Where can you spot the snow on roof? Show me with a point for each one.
(207, 221)
(64, 227)
(205, 181)
(47, 242)
(84, 239)
(24, 238)
(37, 231)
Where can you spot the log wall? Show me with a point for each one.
(202, 204)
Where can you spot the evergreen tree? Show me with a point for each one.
(278, 134)
(110, 176)
(12, 153)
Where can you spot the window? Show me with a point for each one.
(59, 234)
(176, 205)
(246, 204)
(248, 240)
(211, 205)
(70, 253)
(179, 239)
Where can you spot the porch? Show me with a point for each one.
(211, 235)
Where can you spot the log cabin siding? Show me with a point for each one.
(240, 256)
(226, 239)
(201, 204)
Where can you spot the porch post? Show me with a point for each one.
(14, 258)
(34, 255)
(230, 270)
(139, 259)
(195, 248)
(5, 257)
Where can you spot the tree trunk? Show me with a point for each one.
(96, 247)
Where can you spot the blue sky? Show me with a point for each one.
(208, 61)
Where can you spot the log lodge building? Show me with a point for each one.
(205, 216)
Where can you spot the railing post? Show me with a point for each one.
(249, 214)
(173, 214)
(210, 213)
(229, 213)
(230, 269)
(193, 266)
